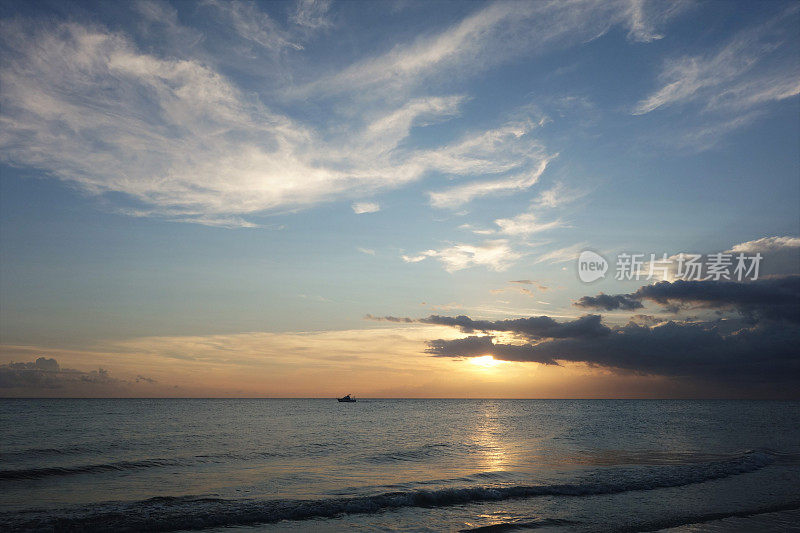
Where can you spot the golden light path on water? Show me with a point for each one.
(487, 437)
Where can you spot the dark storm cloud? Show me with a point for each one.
(766, 352)
(772, 298)
(536, 327)
(610, 302)
(776, 298)
(388, 319)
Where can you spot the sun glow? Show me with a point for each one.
(485, 361)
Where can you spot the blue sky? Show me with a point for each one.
(217, 168)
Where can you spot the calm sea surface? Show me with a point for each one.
(407, 465)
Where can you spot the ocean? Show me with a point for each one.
(401, 465)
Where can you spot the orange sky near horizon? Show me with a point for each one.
(379, 362)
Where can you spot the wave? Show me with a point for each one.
(516, 525)
(121, 466)
(46, 452)
(39, 473)
(175, 513)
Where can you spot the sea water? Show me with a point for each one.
(405, 465)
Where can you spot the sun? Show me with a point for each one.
(485, 361)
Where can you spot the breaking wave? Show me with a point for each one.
(175, 513)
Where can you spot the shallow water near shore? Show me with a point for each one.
(407, 465)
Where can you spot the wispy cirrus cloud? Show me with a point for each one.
(525, 224)
(731, 86)
(311, 14)
(181, 141)
(562, 255)
(557, 196)
(721, 79)
(492, 35)
(253, 25)
(461, 194)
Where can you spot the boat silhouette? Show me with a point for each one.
(347, 398)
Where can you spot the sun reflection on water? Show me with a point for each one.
(493, 451)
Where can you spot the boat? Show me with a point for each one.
(347, 398)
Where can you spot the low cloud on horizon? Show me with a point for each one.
(44, 376)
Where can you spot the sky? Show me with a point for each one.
(313, 198)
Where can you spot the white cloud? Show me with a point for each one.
(252, 24)
(497, 254)
(644, 17)
(311, 13)
(367, 251)
(557, 196)
(476, 231)
(387, 130)
(220, 222)
(462, 194)
(524, 224)
(767, 244)
(174, 135)
(520, 225)
(360, 208)
(494, 254)
(562, 255)
(772, 87)
(639, 29)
